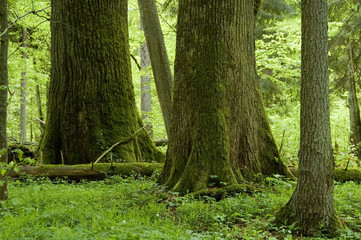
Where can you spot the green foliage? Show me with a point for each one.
(278, 56)
(37, 62)
(168, 23)
(119, 208)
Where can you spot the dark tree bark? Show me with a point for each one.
(311, 204)
(219, 129)
(3, 92)
(40, 111)
(355, 121)
(158, 56)
(91, 102)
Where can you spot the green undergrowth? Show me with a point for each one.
(136, 208)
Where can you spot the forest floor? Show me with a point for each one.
(135, 208)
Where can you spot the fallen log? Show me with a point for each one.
(341, 175)
(160, 142)
(87, 171)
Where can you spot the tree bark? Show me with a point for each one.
(91, 102)
(219, 129)
(354, 110)
(23, 92)
(311, 204)
(146, 97)
(158, 55)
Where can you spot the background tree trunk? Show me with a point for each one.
(219, 130)
(23, 92)
(158, 56)
(91, 101)
(146, 97)
(311, 204)
(3, 92)
(355, 121)
(40, 111)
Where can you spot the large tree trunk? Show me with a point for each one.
(91, 102)
(219, 129)
(355, 121)
(3, 92)
(22, 136)
(158, 56)
(311, 204)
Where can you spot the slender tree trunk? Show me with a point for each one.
(23, 92)
(3, 92)
(40, 111)
(219, 129)
(355, 121)
(146, 97)
(311, 204)
(91, 103)
(158, 56)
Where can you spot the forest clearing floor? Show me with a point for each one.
(135, 208)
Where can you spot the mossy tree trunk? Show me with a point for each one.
(4, 41)
(91, 101)
(311, 204)
(354, 110)
(219, 129)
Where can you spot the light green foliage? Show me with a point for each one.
(119, 208)
(168, 22)
(278, 62)
(37, 63)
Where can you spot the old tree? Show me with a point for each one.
(219, 128)
(91, 102)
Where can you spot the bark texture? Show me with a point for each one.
(91, 102)
(311, 204)
(158, 56)
(219, 129)
(3, 93)
(354, 110)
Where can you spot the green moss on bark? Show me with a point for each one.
(219, 125)
(91, 97)
(223, 192)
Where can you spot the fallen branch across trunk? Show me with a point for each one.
(84, 171)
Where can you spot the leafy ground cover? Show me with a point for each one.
(130, 208)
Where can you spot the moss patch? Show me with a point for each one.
(221, 193)
(341, 175)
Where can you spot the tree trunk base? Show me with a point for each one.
(287, 216)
